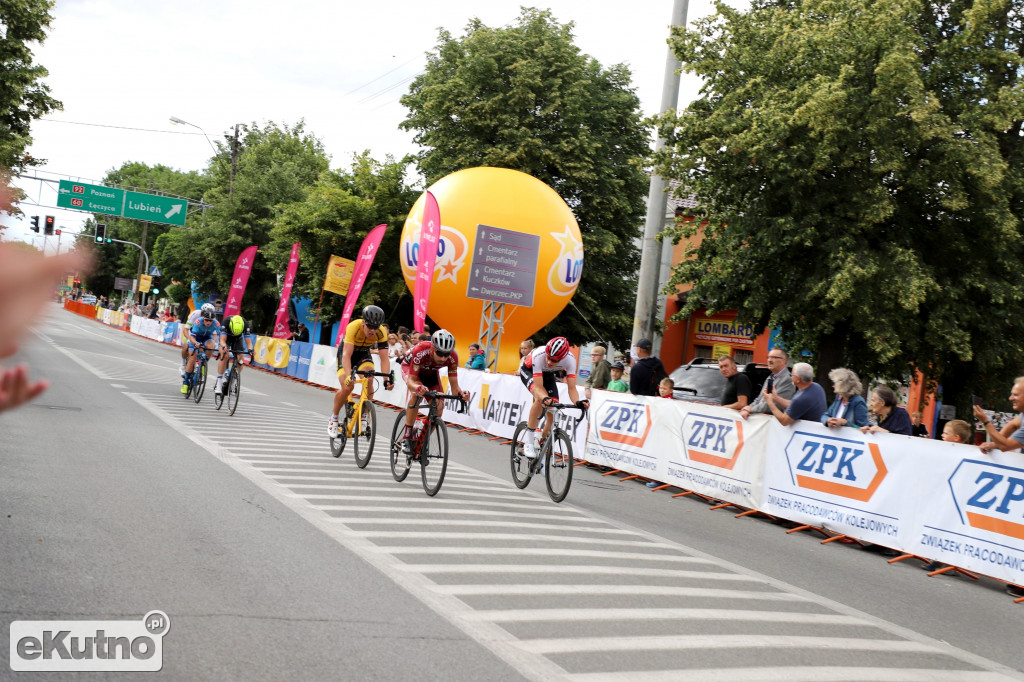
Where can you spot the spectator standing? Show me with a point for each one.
(848, 408)
(476, 357)
(891, 417)
(780, 383)
(616, 383)
(737, 385)
(919, 429)
(302, 334)
(647, 371)
(809, 402)
(600, 371)
(956, 431)
(1012, 435)
(665, 387)
(525, 348)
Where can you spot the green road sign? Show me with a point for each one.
(154, 208)
(100, 199)
(92, 198)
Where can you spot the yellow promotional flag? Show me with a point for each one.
(144, 283)
(339, 274)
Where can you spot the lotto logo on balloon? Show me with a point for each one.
(451, 253)
(564, 274)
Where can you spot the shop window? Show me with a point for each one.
(742, 357)
(702, 352)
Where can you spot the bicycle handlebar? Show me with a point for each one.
(432, 395)
(567, 406)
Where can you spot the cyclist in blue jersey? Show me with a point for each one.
(206, 332)
(193, 320)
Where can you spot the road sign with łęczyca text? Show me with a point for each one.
(112, 201)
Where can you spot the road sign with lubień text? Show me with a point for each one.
(155, 209)
(112, 201)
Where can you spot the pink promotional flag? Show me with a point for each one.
(430, 231)
(364, 260)
(243, 267)
(281, 330)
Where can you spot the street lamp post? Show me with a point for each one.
(234, 149)
(178, 121)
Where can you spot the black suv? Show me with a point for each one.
(700, 381)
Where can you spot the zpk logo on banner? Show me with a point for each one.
(838, 466)
(712, 440)
(989, 496)
(624, 423)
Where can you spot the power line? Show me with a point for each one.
(390, 87)
(101, 125)
(380, 76)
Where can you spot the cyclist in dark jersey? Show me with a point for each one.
(234, 337)
(420, 371)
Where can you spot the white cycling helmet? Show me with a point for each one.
(209, 307)
(443, 341)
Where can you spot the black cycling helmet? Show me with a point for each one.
(373, 316)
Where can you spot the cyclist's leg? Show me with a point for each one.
(191, 364)
(367, 365)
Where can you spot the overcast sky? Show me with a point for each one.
(122, 68)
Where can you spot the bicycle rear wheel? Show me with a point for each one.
(364, 434)
(521, 473)
(200, 387)
(558, 466)
(399, 464)
(234, 390)
(434, 456)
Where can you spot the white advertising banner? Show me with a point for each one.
(704, 448)
(323, 366)
(144, 326)
(969, 510)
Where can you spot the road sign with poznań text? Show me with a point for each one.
(155, 209)
(92, 198)
(112, 201)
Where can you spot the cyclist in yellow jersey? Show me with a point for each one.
(362, 337)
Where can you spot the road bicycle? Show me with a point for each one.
(554, 455)
(231, 383)
(197, 379)
(430, 442)
(360, 421)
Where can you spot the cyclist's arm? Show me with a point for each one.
(346, 359)
(570, 384)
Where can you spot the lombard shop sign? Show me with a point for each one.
(725, 331)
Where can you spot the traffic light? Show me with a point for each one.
(49, 225)
(57, 232)
(154, 288)
(35, 223)
(101, 232)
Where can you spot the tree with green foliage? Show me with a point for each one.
(860, 164)
(23, 95)
(524, 97)
(275, 166)
(333, 219)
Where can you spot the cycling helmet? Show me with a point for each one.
(208, 314)
(236, 325)
(373, 316)
(557, 348)
(443, 341)
(209, 306)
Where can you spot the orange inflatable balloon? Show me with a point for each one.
(506, 237)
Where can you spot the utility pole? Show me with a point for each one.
(647, 295)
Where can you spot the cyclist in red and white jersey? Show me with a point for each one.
(420, 371)
(537, 372)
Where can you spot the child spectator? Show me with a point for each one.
(665, 388)
(956, 431)
(617, 384)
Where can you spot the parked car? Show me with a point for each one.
(700, 381)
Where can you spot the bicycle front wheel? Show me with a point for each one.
(364, 433)
(399, 464)
(558, 467)
(434, 457)
(521, 473)
(200, 387)
(234, 389)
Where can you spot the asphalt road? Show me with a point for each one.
(274, 560)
